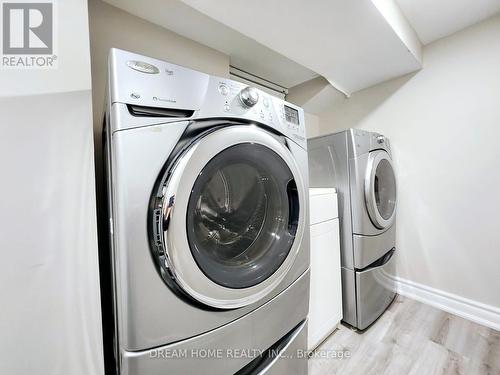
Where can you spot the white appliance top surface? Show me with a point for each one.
(323, 205)
(321, 191)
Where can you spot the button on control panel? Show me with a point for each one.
(223, 89)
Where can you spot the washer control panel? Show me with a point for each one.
(235, 99)
(149, 82)
(249, 96)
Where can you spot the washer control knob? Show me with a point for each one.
(380, 139)
(249, 96)
(223, 89)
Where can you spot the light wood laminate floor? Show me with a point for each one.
(411, 338)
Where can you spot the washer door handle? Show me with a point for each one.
(167, 212)
(293, 207)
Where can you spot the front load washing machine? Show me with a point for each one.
(359, 164)
(207, 190)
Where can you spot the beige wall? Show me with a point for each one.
(444, 125)
(312, 125)
(301, 94)
(113, 27)
(305, 92)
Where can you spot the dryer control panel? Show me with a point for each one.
(364, 141)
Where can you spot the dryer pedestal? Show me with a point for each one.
(368, 292)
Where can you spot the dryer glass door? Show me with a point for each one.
(380, 189)
(233, 216)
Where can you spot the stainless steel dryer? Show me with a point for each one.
(359, 164)
(207, 186)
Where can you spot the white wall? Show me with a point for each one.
(444, 125)
(50, 320)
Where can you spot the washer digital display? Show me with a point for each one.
(292, 115)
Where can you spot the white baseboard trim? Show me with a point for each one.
(477, 312)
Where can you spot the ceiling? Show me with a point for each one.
(245, 53)
(321, 48)
(349, 42)
(434, 19)
(352, 44)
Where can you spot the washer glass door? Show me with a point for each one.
(242, 215)
(232, 216)
(380, 189)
